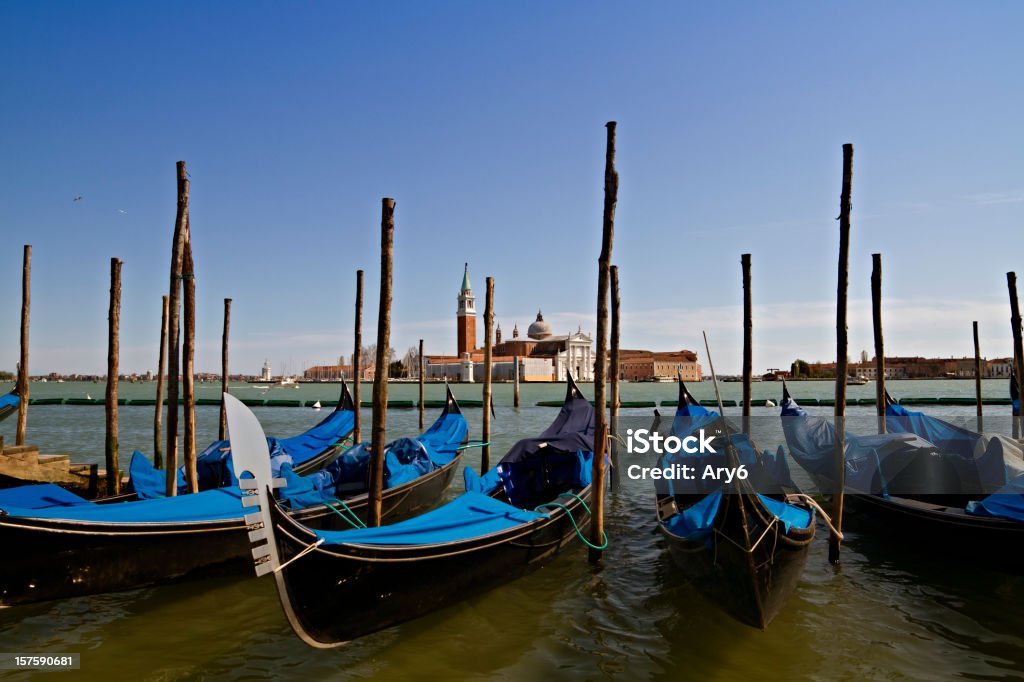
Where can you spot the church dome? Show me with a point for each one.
(539, 329)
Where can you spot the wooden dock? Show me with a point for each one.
(25, 465)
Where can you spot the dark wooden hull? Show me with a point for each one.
(48, 559)
(750, 566)
(947, 532)
(338, 593)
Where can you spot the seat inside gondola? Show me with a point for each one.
(549, 473)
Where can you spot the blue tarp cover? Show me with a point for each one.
(695, 522)
(213, 464)
(967, 451)
(9, 400)
(468, 516)
(209, 505)
(405, 460)
(1005, 503)
(38, 497)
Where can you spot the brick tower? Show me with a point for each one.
(466, 316)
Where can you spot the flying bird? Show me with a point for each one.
(121, 210)
(78, 198)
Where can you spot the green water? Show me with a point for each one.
(887, 613)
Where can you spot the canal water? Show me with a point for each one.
(887, 613)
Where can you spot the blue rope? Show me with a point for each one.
(575, 527)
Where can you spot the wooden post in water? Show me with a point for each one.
(1018, 347)
(611, 192)
(110, 401)
(845, 206)
(748, 339)
(23, 388)
(357, 357)
(613, 369)
(977, 378)
(876, 323)
(380, 376)
(174, 331)
(188, 393)
(423, 365)
(222, 433)
(161, 371)
(515, 382)
(485, 430)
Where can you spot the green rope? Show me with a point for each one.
(357, 523)
(575, 527)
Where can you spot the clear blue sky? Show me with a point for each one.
(486, 122)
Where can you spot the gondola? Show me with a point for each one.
(309, 451)
(891, 485)
(743, 544)
(337, 586)
(975, 463)
(9, 403)
(60, 545)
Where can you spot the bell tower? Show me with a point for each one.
(466, 316)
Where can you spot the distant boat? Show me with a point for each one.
(88, 397)
(316, 405)
(770, 403)
(288, 381)
(858, 380)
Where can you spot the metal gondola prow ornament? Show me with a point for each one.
(251, 457)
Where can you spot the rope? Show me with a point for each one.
(475, 444)
(357, 523)
(810, 501)
(575, 527)
(754, 546)
(309, 548)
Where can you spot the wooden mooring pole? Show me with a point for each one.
(515, 382)
(380, 376)
(357, 358)
(222, 433)
(748, 339)
(188, 392)
(977, 378)
(110, 401)
(161, 372)
(839, 482)
(876, 323)
(611, 192)
(423, 365)
(1018, 347)
(174, 331)
(485, 429)
(613, 273)
(23, 387)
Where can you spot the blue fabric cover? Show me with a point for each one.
(766, 470)
(209, 505)
(811, 441)
(949, 438)
(213, 464)
(405, 460)
(1005, 503)
(147, 481)
(468, 516)
(39, 497)
(486, 484)
(980, 467)
(546, 475)
(694, 523)
(9, 400)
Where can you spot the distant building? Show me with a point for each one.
(542, 356)
(328, 373)
(645, 365)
